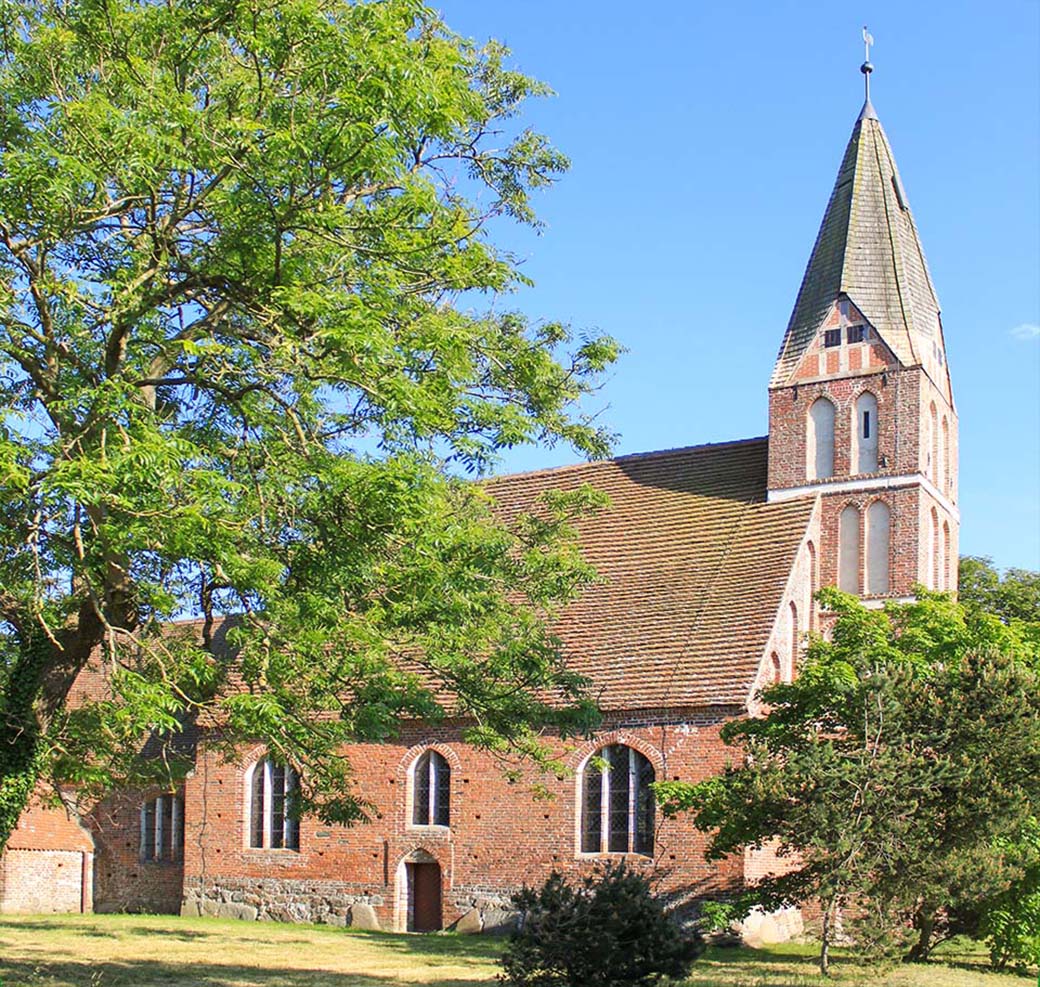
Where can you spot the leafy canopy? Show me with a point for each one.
(246, 344)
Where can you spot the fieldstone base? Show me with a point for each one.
(483, 910)
(269, 900)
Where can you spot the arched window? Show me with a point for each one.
(931, 549)
(777, 670)
(431, 790)
(820, 440)
(879, 520)
(793, 629)
(814, 585)
(944, 472)
(933, 449)
(865, 434)
(162, 829)
(948, 579)
(940, 554)
(617, 803)
(848, 550)
(272, 823)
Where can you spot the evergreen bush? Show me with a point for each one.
(607, 930)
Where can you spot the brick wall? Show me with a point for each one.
(45, 881)
(48, 863)
(123, 881)
(501, 835)
(909, 448)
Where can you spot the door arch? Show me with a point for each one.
(419, 893)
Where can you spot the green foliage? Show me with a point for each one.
(606, 931)
(889, 771)
(1011, 596)
(1011, 919)
(244, 249)
(717, 916)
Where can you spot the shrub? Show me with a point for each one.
(605, 931)
(1011, 920)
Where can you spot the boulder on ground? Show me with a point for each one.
(364, 917)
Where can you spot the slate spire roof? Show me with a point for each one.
(868, 249)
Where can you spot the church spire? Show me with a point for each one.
(868, 252)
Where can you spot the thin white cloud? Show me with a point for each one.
(1028, 330)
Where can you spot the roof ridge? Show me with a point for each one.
(627, 457)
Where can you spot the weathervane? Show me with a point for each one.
(866, 68)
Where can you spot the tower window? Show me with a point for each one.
(848, 550)
(820, 440)
(856, 334)
(865, 434)
(832, 337)
(879, 524)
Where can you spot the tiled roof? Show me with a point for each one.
(868, 248)
(693, 563)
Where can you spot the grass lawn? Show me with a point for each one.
(163, 951)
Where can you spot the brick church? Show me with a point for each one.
(709, 558)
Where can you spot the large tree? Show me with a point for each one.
(247, 341)
(892, 775)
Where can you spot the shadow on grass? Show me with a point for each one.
(437, 944)
(93, 928)
(1013, 973)
(149, 973)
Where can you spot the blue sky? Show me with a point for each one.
(704, 141)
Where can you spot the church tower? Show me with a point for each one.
(861, 410)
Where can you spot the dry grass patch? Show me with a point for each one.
(960, 964)
(164, 951)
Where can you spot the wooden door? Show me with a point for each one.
(426, 897)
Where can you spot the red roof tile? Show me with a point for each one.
(693, 564)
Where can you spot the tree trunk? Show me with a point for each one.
(20, 746)
(926, 927)
(825, 938)
(36, 691)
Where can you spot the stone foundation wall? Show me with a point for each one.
(483, 909)
(280, 900)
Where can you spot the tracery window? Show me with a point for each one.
(162, 829)
(617, 803)
(272, 791)
(431, 790)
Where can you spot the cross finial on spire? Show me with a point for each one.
(866, 68)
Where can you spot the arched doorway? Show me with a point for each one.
(419, 878)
